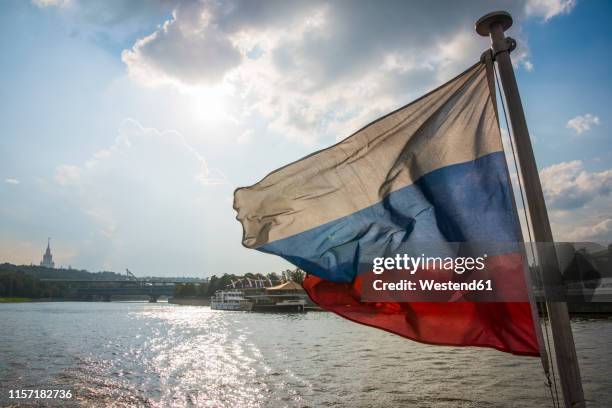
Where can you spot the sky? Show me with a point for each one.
(127, 124)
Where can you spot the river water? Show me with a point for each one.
(162, 355)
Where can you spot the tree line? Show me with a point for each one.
(21, 284)
(229, 281)
(25, 280)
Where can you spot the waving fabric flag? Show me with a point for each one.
(431, 171)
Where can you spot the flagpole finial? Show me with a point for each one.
(484, 23)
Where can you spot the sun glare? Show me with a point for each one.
(210, 105)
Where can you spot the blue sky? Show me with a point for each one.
(127, 124)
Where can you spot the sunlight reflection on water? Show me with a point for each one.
(161, 355)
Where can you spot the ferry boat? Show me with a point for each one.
(230, 300)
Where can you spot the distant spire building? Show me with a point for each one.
(47, 260)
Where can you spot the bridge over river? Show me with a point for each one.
(106, 289)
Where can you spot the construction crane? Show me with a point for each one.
(130, 275)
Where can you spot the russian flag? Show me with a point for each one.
(431, 171)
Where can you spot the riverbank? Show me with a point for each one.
(14, 299)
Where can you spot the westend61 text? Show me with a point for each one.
(429, 285)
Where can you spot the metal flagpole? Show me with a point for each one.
(493, 25)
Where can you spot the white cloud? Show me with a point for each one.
(582, 123)
(568, 186)
(548, 9)
(52, 3)
(66, 174)
(142, 150)
(149, 191)
(11, 181)
(579, 202)
(311, 69)
(599, 232)
(187, 48)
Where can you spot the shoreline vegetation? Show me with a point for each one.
(26, 283)
(15, 299)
